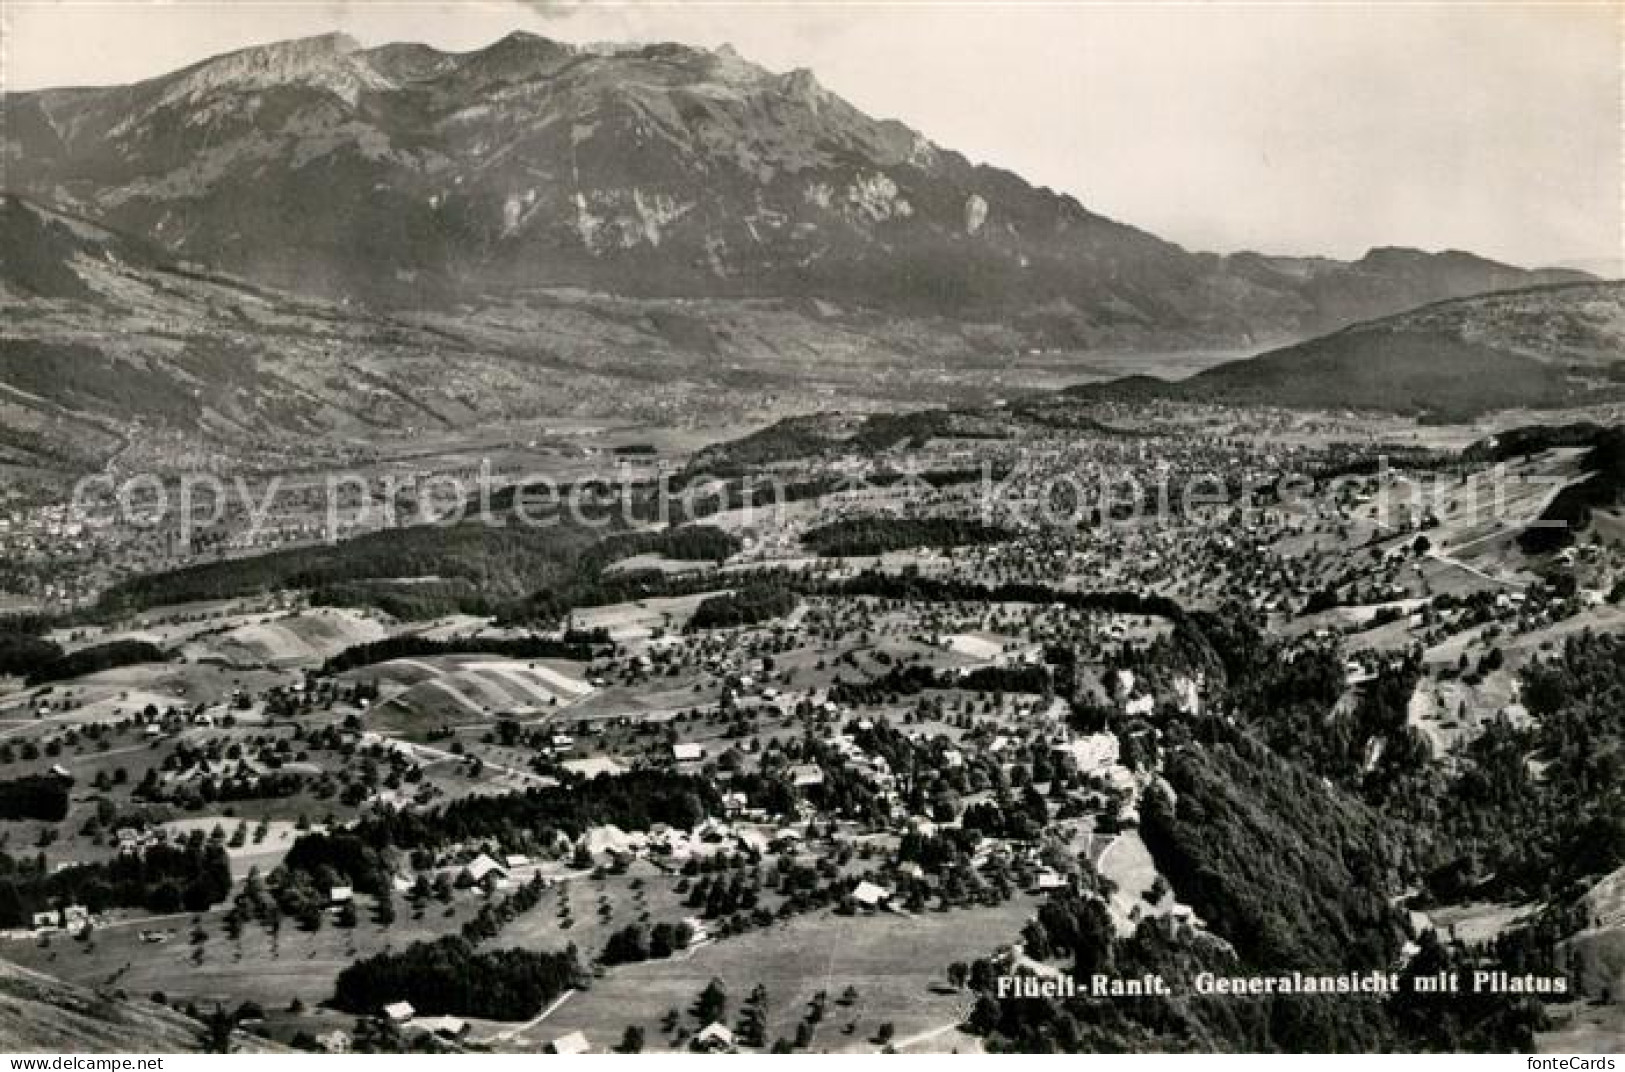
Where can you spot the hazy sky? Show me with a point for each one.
(1288, 127)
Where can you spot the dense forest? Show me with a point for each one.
(862, 536)
(814, 435)
(1288, 700)
(1289, 833)
(757, 601)
(1292, 874)
(1522, 835)
(449, 977)
(163, 879)
(411, 601)
(497, 560)
(23, 653)
(1528, 440)
(476, 568)
(96, 658)
(577, 646)
(40, 797)
(913, 679)
(360, 865)
(1288, 874)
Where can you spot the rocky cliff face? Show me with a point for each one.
(407, 175)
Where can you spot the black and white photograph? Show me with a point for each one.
(935, 527)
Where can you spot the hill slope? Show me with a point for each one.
(39, 1014)
(406, 174)
(1540, 347)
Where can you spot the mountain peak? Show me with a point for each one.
(802, 83)
(518, 57)
(1392, 255)
(407, 61)
(317, 48)
(524, 39)
(328, 61)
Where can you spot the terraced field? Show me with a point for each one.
(308, 637)
(458, 690)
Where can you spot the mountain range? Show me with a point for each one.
(407, 176)
(290, 253)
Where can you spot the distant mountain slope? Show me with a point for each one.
(107, 347)
(1580, 326)
(104, 348)
(42, 245)
(1541, 347)
(410, 175)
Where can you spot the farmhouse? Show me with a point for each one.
(479, 869)
(869, 895)
(1091, 753)
(574, 1042)
(688, 752)
(593, 766)
(399, 1012)
(1049, 880)
(715, 1038)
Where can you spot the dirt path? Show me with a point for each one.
(924, 1036)
(510, 1033)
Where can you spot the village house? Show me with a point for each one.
(573, 1043)
(714, 1038)
(479, 869)
(399, 1012)
(870, 896)
(698, 932)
